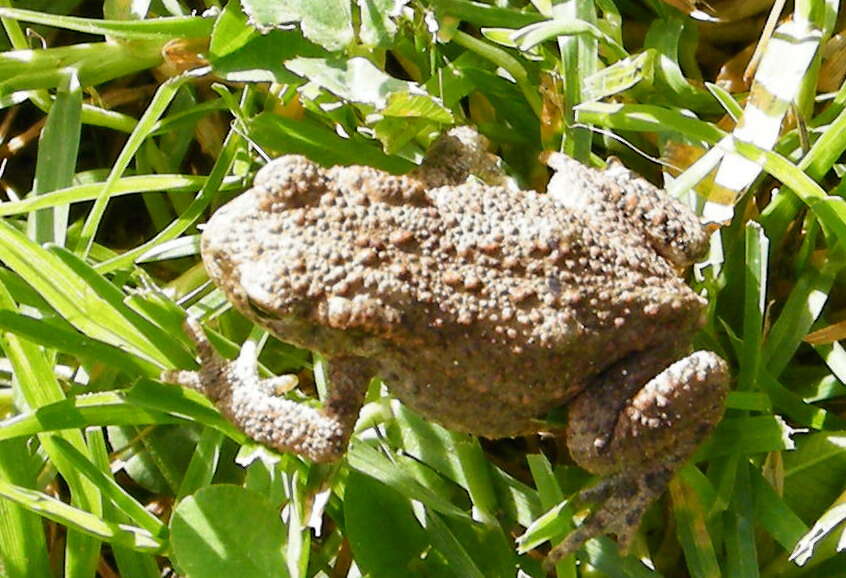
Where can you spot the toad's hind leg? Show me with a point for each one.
(255, 407)
(637, 436)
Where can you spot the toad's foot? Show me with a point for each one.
(638, 436)
(623, 499)
(253, 405)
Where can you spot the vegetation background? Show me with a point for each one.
(125, 124)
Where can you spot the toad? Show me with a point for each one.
(480, 306)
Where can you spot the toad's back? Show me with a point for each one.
(481, 307)
(466, 296)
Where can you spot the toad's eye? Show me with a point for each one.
(259, 311)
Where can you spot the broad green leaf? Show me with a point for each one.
(319, 143)
(377, 21)
(325, 22)
(813, 473)
(483, 14)
(225, 531)
(155, 458)
(747, 435)
(231, 31)
(249, 62)
(399, 544)
(408, 105)
(358, 80)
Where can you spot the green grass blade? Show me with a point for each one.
(552, 497)
(164, 95)
(125, 186)
(203, 463)
(56, 164)
(177, 401)
(23, 547)
(450, 545)
(755, 288)
(93, 63)
(692, 531)
(38, 386)
(71, 342)
(803, 306)
(85, 300)
(647, 118)
(534, 34)
(788, 55)
(111, 490)
(741, 548)
(213, 184)
(185, 27)
(774, 515)
(748, 435)
(82, 521)
(367, 460)
(100, 409)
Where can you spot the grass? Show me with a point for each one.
(120, 135)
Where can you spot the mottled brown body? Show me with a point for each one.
(483, 307)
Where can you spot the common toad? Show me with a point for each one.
(481, 307)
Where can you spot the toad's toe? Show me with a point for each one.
(622, 500)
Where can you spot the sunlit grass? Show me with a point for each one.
(121, 135)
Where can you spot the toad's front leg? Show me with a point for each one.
(636, 436)
(254, 406)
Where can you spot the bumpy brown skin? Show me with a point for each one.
(481, 307)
